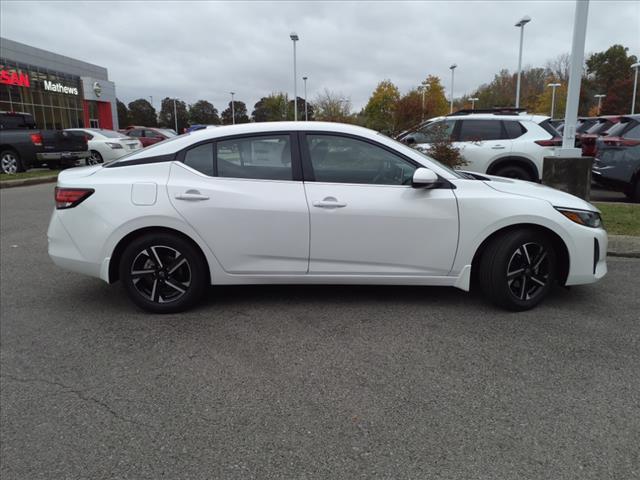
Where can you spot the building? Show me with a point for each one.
(60, 92)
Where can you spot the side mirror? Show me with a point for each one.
(410, 140)
(425, 178)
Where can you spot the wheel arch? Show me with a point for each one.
(114, 262)
(559, 245)
(523, 162)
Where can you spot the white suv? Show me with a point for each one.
(508, 144)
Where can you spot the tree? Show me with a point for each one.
(333, 107)
(203, 113)
(618, 99)
(380, 109)
(123, 114)
(409, 110)
(610, 66)
(543, 102)
(272, 108)
(168, 119)
(240, 110)
(301, 102)
(141, 112)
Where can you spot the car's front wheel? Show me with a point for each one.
(10, 162)
(163, 273)
(518, 269)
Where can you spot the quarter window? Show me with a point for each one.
(265, 158)
(200, 158)
(479, 130)
(339, 159)
(134, 133)
(514, 129)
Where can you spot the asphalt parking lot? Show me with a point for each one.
(309, 382)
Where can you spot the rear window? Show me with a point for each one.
(584, 125)
(546, 124)
(514, 129)
(599, 127)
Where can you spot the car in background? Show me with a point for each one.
(193, 128)
(107, 145)
(624, 133)
(150, 135)
(599, 128)
(23, 145)
(315, 203)
(504, 142)
(617, 167)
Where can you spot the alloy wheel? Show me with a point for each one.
(9, 163)
(528, 271)
(94, 158)
(161, 274)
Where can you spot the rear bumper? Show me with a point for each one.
(52, 156)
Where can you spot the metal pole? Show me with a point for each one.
(423, 88)
(295, 85)
(233, 109)
(599, 104)
(575, 77)
(635, 88)
(473, 104)
(519, 67)
(306, 111)
(452, 67)
(553, 99)
(175, 116)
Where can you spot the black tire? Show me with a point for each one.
(94, 158)
(635, 192)
(514, 171)
(518, 269)
(146, 272)
(10, 162)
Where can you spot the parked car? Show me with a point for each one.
(599, 128)
(23, 145)
(501, 142)
(107, 145)
(617, 167)
(624, 133)
(193, 128)
(314, 202)
(150, 135)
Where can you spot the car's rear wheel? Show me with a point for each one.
(514, 171)
(163, 273)
(518, 269)
(94, 158)
(635, 192)
(10, 162)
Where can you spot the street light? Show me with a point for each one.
(233, 109)
(306, 113)
(553, 96)
(473, 101)
(452, 68)
(294, 37)
(635, 87)
(523, 21)
(424, 87)
(599, 96)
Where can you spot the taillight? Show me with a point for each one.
(552, 142)
(70, 197)
(36, 139)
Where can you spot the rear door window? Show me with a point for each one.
(265, 157)
(480, 130)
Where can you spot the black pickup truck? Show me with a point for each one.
(23, 146)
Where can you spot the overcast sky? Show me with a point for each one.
(200, 49)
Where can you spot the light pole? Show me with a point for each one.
(473, 101)
(175, 116)
(523, 21)
(635, 88)
(306, 112)
(553, 97)
(424, 87)
(294, 37)
(233, 109)
(452, 68)
(599, 96)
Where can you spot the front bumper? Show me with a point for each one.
(588, 256)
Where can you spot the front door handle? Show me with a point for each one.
(191, 196)
(498, 147)
(329, 202)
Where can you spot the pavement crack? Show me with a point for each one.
(81, 395)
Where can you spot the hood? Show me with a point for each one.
(555, 197)
(78, 172)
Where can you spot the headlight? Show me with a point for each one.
(114, 145)
(582, 217)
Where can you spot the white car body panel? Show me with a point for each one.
(100, 144)
(260, 232)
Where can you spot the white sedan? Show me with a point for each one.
(311, 202)
(107, 145)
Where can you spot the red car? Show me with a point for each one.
(150, 135)
(598, 129)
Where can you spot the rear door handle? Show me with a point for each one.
(191, 196)
(329, 202)
(498, 147)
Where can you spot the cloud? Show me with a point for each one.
(198, 49)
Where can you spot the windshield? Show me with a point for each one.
(617, 129)
(422, 154)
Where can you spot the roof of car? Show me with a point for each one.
(495, 116)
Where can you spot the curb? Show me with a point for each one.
(623, 246)
(28, 181)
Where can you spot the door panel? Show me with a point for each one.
(481, 142)
(252, 226)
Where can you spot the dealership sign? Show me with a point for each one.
(60, 88)
(14, 78)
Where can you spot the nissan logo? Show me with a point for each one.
(97, 89)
